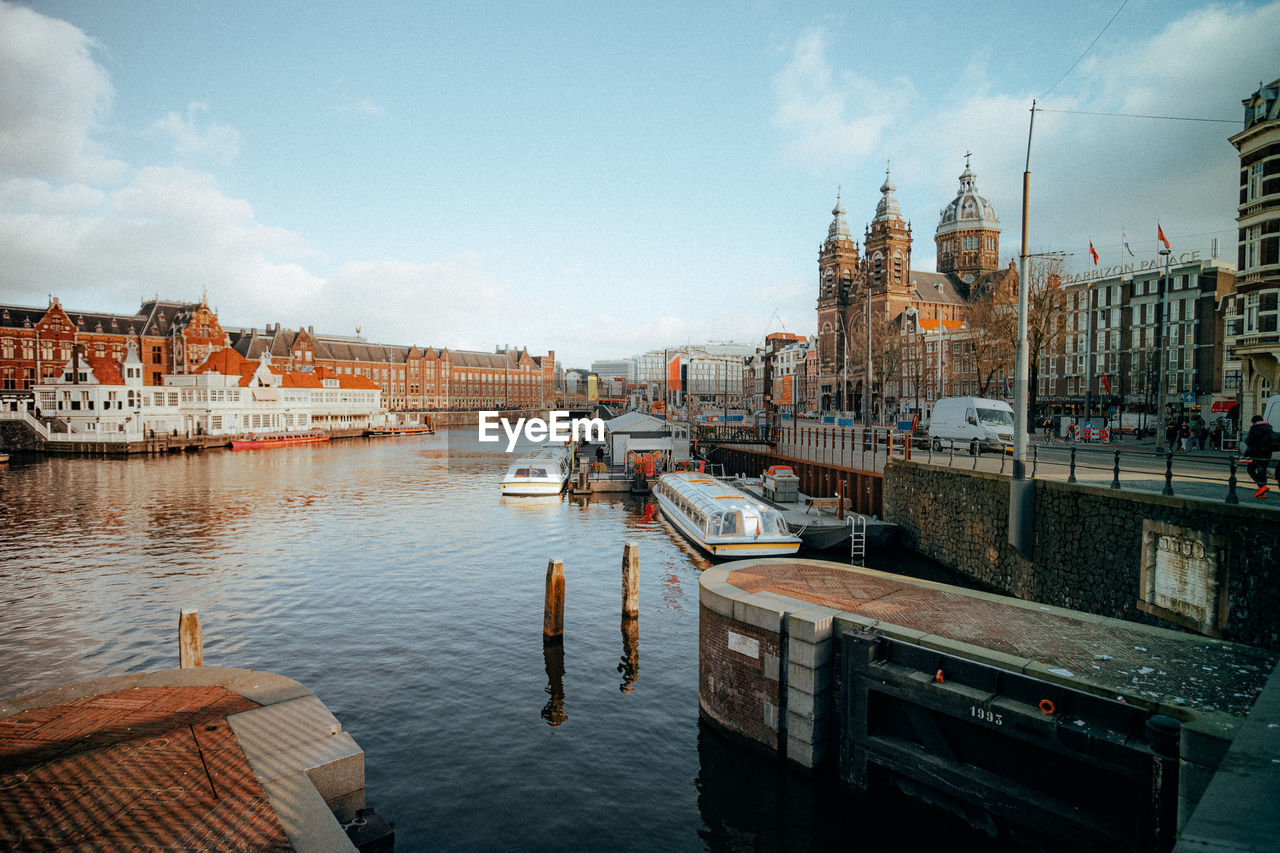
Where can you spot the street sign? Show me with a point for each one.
(1189, 397)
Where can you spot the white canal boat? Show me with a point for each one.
(544, 473)
(722, 520)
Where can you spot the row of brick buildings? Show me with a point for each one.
(175, 338)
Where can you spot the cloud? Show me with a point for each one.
(218, 141)
(1091, 175)
(50, 107)
(831, 114)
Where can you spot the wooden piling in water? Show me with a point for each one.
(190, 641)
(631, 579)
(553, 612)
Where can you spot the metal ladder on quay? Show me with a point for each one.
(857, 537)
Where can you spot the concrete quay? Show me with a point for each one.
(1062, 688)
(183, 759)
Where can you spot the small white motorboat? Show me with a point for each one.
(544, 473)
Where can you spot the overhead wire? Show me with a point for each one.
(1086, 51)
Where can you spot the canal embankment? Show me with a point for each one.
(1202, 564)
(1023, 717)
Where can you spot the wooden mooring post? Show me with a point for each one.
(631, 580)
(190, 641)
(553, 612)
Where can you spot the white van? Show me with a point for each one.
(972, 423)
(1271, 411)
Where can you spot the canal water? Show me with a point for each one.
(389, 577)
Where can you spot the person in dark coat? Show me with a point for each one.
(1258, 445)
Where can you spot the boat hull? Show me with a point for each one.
(821, 537)
(530, 489)
(269, 442)
(413, 430)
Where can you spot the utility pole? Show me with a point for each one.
(1021, 490)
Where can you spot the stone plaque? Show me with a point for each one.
(1183, 576)
(744, 645)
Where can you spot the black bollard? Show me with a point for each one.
(1168, 474)
(1231, 484)
(1115, 470)
(1071, 478)
(1035, 457)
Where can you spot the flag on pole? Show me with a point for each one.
(1124, 239)
(1160, 236)
(1105, 384)
(1094, 253)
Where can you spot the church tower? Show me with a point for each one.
(837, 267)
(887, 244)
(968, 235)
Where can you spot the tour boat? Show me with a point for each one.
(267, 440)
(720, 519)
(542, 474)
(404, 429)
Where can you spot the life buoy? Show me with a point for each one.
(1047, 707)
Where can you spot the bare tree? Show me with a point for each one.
(993, 332)
(1046, 318)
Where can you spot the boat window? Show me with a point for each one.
(776, 521)
(522, 472)
(732, 524)
(537, 472)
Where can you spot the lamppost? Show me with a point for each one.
(912, 314)
(868, 397)
(1160, 363)
(1088, 352)
(942, 330)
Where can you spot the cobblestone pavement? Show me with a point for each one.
(1125, 658)
(154, 768)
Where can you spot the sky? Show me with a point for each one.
(598, 179)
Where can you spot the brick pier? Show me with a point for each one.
(194, 759)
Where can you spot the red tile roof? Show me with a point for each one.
(106, 370)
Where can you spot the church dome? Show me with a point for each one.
(839, 229)
(888, 207)
(968, 210)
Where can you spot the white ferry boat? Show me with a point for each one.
(545, 473)
(722, 520)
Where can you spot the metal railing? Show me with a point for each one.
(1214, 475)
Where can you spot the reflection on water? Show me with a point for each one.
(393, 580)
(629, 666)
(553, 661)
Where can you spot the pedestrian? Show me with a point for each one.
(1071, 431)
(1258, 445)
(1171, 435)
(1048, 429)
(1184, 435)
(1202, 435)
(600, 453)
(1216, 435)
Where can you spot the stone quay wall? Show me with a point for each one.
(1094, 549)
